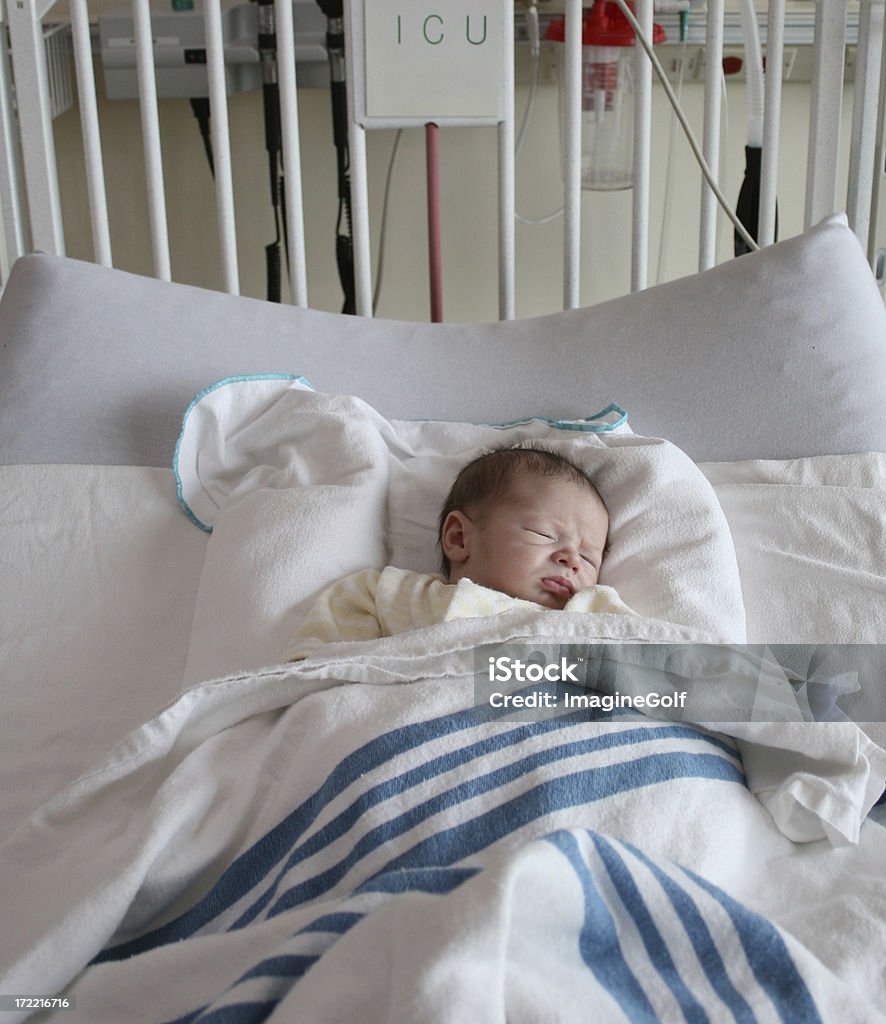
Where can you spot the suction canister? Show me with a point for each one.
(607, 114)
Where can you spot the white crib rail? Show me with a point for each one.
(31, 209)
(95, 173)
(37, 143)
(864, 159)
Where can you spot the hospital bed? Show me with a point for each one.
(192, 829)
(388, 831)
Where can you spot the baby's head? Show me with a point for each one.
(524, 521)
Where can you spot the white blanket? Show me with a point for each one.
(354, 839)
(99, 576)
(809, 540)
(301, 488)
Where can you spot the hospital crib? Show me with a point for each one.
(32, 75)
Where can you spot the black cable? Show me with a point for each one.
(200, 108)
(344, 245)
(282, 199)
(747, 208)
(267, 48)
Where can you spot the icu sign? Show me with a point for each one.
(427, 61)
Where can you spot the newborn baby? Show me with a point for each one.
(520, 526)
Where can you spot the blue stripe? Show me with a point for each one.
(439, 881)
(238, 1013)
(775, 971)
(188, 1018)
(338, 922)
(459, 841)
(446, 799)
(652, 939)
(584, 787)
(595, 783)
(598, 941)
(702, 941)
(252, 866)
(255, 864)
(287, 966)
(295, 966)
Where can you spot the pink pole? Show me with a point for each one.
(435, 260)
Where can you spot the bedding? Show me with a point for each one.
(302, 488)
(100, 572)
(809, 541)
(357, 832)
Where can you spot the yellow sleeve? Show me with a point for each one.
(344, 611)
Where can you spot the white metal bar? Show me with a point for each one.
(506, 219)
(642, 153)
(292, 177)
(11, 205)
(707, 238)
(879, 165)
(506, 183)
(771, 123)
(38, 146)
(826, 109)
(221, 144)
(147, 91)
(89, 127)
(360, 220)
(572, 86)
(865, 118)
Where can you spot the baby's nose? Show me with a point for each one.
(568, 558)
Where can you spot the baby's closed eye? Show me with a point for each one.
(541, 533)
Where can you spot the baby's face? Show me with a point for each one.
(542, 542)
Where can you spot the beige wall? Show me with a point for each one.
(469, 203)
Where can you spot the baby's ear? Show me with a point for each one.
(455, 537)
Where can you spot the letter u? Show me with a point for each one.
(474, 42)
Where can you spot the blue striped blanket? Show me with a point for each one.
(358, 839)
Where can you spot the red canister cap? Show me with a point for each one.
(603, 25)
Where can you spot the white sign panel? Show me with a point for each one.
(427, 61)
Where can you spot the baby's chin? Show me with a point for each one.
(546, 599)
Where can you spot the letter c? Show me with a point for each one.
(424, 29)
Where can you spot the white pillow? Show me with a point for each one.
(301, 488)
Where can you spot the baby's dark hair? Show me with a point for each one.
(488, 477)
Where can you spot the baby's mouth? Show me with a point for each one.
(560, 586)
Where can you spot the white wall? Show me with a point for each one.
(469, 202)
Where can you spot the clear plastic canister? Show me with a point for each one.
(607, 95)
(607, 117)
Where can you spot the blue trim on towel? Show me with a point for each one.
(587, 424)
(242, 379)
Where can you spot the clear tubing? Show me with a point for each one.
(754, 72)
(771, 123)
